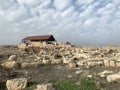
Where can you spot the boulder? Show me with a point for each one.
(48, 86)
(113, 77)
(16, 84)
(10, 65)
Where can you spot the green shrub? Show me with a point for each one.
(66, 85)
(88, 84)
(85, 84)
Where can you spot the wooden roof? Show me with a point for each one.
(44, 37)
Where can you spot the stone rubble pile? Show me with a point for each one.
(88, 56)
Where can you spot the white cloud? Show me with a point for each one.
(62, 4)
(84, 1)
(91, 22)
(6, 4)
(29, 3)
(78, 21)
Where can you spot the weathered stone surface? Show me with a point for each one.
(94, 63)
(105, 73)
(21, 46)
(10, 65)
(30, 65)
(78, 72)
(81, 62)
(16, 84)
(13, 58)
(72, 65)
(66, 60)
(113, 77)
(117, 57)
(117, 63)
(46, 61)
(106, 62)
(56, 61)
(57, 53)
(89, 76)
(45, 87)
(112, 63)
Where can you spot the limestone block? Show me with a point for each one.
(118, 64)
(16, 84)
(112, 63)
(106, 62)
(10, 65)
(113, 77)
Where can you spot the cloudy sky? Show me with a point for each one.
(84, 22)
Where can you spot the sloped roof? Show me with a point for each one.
(44, 37)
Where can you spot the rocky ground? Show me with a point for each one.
(40, 65)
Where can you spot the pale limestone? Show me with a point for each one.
(72, 65)
(48, 86)
(113, 77)
(117, 63)
(10, 65)
(112, 63)
(13, 58)
(106, 62)
(16, 84)
(105, 73)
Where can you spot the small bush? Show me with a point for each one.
(88, 84)
(66, 85)
(85, 84)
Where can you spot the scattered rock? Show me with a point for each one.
(13, 58)
(47, 61)
(105, 73)
(78, 72)
(56, 61)
(10, 65)
(113, 77)
(81, 63)
(48, 86)
(89, 76)
(72, 65)
(66, 61)
(16, 84)
(117, 57)
(94, 63)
